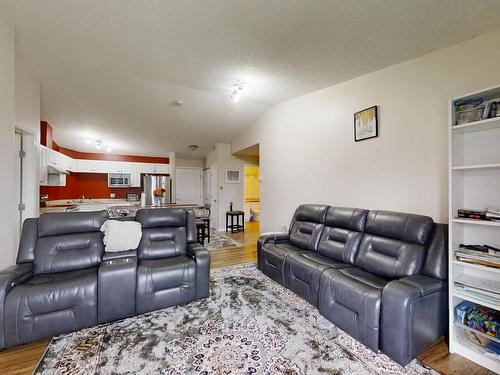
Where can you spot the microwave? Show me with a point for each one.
(119, 180)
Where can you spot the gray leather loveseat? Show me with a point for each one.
(64, 281)
(380, 276)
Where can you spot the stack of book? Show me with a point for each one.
(485, 255)
(493, 214)
(467, 213)
(488, 214)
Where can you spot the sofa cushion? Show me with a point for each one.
(51, 304)
(54, 224)
(303, 270)
(162, 217)
(162, 242)
(68, 252)
(415, 229)
(165, 282)
(341, 238)
(307, 225)
(394, 244)
(389, 258)
(350, 298)
(272, 259)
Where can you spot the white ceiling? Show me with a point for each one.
(111, 68)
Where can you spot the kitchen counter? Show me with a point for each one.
(115, 207)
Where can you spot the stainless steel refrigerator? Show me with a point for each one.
(152, 182)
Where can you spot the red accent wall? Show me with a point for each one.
(92, 185)
(46, 134)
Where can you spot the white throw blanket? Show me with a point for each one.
(121, 235)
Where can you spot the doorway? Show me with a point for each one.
(252, 192)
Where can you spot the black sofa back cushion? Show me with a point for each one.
(307, 225)
(400, 226)
(68, 241)
(341, 236)
(394, 244)
(55, 224)
(68, 252)
(165, 232)
(162, 242)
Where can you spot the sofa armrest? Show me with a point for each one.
(414, 316)
(270, 238)
(9, 278)
(202, 260)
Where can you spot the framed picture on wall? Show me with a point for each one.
(232, 176)
(366, 124)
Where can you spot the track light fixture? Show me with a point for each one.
(238, 89)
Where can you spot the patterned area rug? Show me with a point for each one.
(219, 241)
(249, 325)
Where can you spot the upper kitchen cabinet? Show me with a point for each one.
(118, 167)
(162, 168)
(146, 168)
(60, 160)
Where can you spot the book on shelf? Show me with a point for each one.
(489, 288)
(485, 255)
(493, 214)
(488, 214)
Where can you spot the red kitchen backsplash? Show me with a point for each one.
(91, 185)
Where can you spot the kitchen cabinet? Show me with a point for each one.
(118, 167)
(135, 174)
(86, 166)
(48, 157)
(146, 168)
(42, 165)
(162, 168)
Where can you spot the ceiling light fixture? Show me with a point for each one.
(192, 148)
(99, 144)
(238, 89)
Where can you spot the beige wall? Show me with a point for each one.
(7, 119)
(307, 152)
(228, 192)
(189, 163)
(19, 108)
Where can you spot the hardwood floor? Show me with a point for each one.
(24, 358)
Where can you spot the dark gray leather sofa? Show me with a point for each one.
(64, 281)
(380, 276)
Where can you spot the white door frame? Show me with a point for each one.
(214, 196)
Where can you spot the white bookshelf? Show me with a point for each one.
(474, 183)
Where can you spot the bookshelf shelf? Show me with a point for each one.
(479, 267)
(474, 182)
(476, 167)
(477, 222)
(477, 126)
